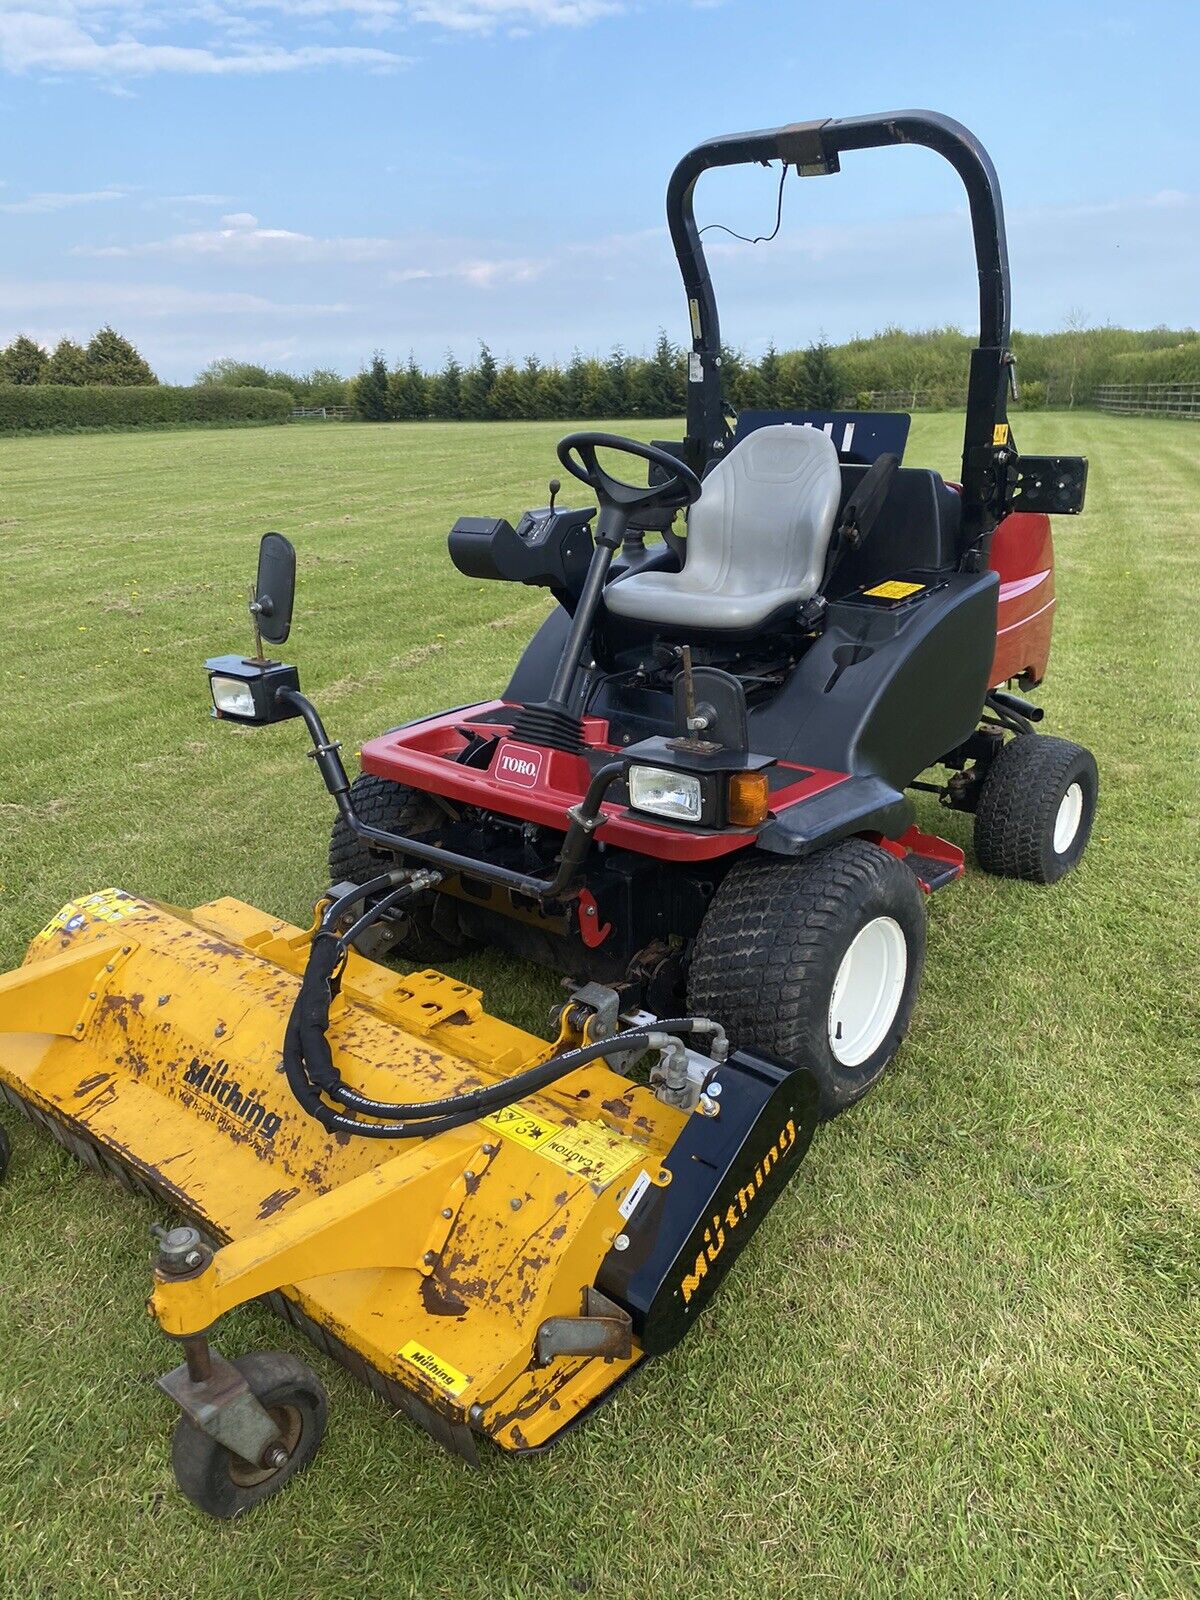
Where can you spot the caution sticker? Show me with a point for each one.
(108, 905)
(894, 589)
(1000, 434)
(443, 1374)
(587, 1149)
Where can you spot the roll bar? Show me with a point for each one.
(989, 462)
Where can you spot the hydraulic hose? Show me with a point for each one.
(314, 1080)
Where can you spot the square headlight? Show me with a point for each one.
(246, 690)
(665, 793)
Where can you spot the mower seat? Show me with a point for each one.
(757, 538)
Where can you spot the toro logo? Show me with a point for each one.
(520, 764)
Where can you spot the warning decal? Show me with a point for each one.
(894, 590)
(587, 1149)
(109, 905)
(442, 1373)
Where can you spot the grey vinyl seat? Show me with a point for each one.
(757, 537)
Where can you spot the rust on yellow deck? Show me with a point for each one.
(154, 1035)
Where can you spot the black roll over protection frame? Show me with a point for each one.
(993, 477)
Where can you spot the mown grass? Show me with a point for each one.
(961, 1358)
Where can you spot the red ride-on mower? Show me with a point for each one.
(695, 789)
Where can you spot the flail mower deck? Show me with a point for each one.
(694, 797)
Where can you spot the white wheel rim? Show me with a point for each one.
(1070, 815)
(867, 991)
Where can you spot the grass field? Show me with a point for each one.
(961, 1357)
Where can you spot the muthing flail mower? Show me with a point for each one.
(693, 798)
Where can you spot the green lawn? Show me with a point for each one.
(961, 1357)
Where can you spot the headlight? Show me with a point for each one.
(233, 698)
(247, 690)
(666, 794)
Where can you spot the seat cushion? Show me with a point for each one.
(757, 537)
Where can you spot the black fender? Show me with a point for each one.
(859, 805)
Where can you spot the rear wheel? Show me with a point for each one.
(815, 961)
(1036, 808)
(221, 1483)
(397, 809)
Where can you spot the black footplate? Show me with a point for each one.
(932, 872)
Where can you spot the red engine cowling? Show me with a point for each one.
(1023, 555)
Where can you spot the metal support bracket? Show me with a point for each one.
(225, 1408)
(605, 1329)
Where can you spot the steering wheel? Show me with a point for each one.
(620, 500)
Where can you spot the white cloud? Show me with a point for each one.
(484, 16)
(44, 40)
(22, 301)
(240, 239)
(35, 203)
(117, 39)
(480, 274)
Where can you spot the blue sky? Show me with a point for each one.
(299, 181)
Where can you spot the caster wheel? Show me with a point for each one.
(5, 1155)
(816, 961)
(220, 1483)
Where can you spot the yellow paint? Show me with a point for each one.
(157, 1039)
(894, 590)
(1000, 434)
(442, 1373)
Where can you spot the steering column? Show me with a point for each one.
(550, 722)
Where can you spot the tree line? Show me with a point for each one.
(108, 359)
(894, 368)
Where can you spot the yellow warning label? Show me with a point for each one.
(894, 590)
(587, 1149)
(108, 905)
(442, 1373)
(1000, 433)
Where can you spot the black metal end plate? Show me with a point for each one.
(1055, 485)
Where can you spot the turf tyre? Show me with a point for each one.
(1037, 785)
(219, 1482)
(774, 942)
(398, 809)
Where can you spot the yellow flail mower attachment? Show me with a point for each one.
(490, 1231)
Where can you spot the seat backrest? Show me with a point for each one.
(764, 519)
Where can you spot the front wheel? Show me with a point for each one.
(815, 961)
(220, 1483)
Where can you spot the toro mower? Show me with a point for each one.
(693, 799)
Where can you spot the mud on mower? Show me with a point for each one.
(693, 798)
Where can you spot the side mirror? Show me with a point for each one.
(274, 589)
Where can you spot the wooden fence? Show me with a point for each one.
(321, 413)
(1150, 399)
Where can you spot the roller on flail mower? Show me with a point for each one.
(693, 799)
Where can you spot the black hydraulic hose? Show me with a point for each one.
(308, 1059)
(385, 880)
